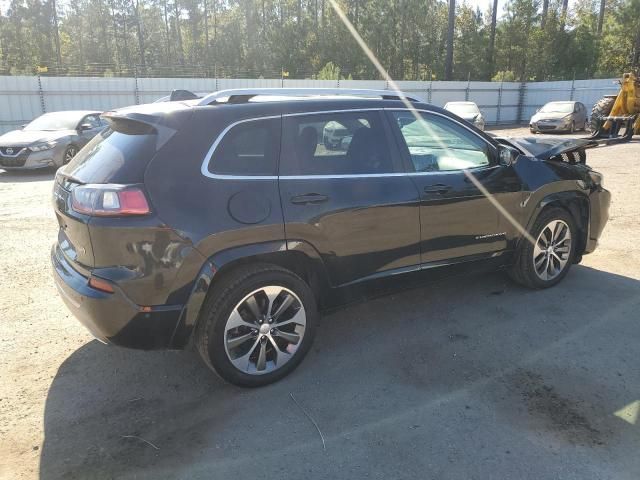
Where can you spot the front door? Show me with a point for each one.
(468, 201)
(344, 194)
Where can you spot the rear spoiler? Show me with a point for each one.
(163, 120)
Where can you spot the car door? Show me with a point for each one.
(348, 199)
(468, 201)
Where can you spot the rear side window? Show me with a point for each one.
(248, 148)
(342, 143)
(114, 157)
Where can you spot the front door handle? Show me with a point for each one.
(309, 199)
(439, 188)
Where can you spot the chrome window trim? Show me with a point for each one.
(466, 127)
(204, 169)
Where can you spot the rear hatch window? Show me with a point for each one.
(114, 157)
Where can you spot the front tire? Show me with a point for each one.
(257, 325)
(546, 261)
(68, 154)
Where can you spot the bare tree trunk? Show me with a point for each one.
(166, 29)
(178, 32)
(136, 12)
(492, 38)
(545, 11)
(206, 28)
(601, 16)
(563, 14)
(448, 65)
(56, 31)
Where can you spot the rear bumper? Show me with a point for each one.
(599, 201)
(112, 317)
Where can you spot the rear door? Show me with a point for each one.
(344, 194)
(460, 183)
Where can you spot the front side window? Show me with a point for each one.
(249, 148)
(93, 120)
(342, 143)
(437, 144)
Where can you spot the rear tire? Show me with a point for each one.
(241, 326)
(547, 262)
(601, 109)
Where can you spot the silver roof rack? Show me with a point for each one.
(242, 95)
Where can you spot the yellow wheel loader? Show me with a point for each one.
(617, 117)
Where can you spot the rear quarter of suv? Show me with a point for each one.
(230, 225)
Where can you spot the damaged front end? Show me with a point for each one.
(555, 149)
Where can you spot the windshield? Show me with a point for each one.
(462, 108)
(55, 121)
(557, 107)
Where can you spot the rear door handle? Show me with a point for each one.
(309, 198)
(437, 188)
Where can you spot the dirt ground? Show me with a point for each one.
(467, 378)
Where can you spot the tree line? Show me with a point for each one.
(413, 39)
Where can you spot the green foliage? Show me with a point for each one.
(329, 72)
(250, 38)
(504, 76)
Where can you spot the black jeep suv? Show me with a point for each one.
(226, 221)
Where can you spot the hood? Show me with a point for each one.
(549, 116)
(548, 148)
(23, 138)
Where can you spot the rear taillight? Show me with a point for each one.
(109, 200)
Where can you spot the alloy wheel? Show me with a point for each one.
(264, 330)
(552, 250)
(69, 154)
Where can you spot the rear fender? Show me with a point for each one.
(302, 260)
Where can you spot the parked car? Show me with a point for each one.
(51, 140)
(468, 111)
(559, 117)
(228, 224)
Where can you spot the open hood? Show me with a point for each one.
(552, 148)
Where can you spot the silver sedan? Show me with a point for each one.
(51, 140)
(559, 116)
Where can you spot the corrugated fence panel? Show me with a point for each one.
(20, 97)
(151, 89)
(19, 101)
(585, 91)
(87, 93)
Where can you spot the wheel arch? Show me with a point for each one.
(304, 261)
(575, 204)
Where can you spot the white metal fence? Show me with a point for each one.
(23, 98)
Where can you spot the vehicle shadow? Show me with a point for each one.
(398, 367)
(25, 176)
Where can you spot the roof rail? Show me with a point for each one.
(242, 95)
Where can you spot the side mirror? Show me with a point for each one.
(85, 126)
(508, 155)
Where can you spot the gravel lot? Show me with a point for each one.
(470, 377)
